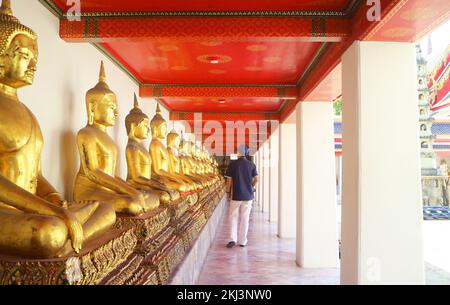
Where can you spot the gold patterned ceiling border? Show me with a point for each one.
(227, 111)
(347, 12)
(284, 86)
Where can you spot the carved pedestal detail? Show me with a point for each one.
(99, 257)
(177, 208)
(145, 226)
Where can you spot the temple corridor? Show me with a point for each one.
(267, 260)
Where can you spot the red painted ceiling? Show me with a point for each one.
(415, 19)
(170, 52)
(204, 5)
(239, 62)
(187, 104)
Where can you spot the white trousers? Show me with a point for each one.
(239, 216)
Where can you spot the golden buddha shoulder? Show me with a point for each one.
(160, 157)
(188, 165)
(138, 158)
(96, 179)
(34, 220)
(173, 144)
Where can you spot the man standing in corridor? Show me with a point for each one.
(242, 177)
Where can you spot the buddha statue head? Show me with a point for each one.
(184, 145)
(173, 139)
(158, 125)
(101, 103)
(18, 50)
(137, 122)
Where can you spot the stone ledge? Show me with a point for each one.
(189, 270)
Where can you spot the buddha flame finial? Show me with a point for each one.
(102, 75)
(157, 118)
(6, 8)
(136, 103)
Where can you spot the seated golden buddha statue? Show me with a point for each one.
(173, 144)
(160, 156)
(189, 165)
(96, 179)
(138, 158)
(34, 220)
(207, 163)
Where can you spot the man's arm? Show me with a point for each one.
(255, 181)
(255, 176)
(228, 187)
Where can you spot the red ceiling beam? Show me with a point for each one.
(224, 116)
(218, 91)
(107, 29)
(363, 29)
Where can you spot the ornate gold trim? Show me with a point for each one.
(346, 13)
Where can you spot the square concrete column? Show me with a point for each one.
(255, 158)
(287, 186)
(260, 184)
(274, 142)
(265, 177)
(381, 199)
(317, 235)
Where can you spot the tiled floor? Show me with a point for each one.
(270, 260)
(266, 260)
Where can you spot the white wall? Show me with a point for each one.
(287, 182)
(57, 98)
(274, 144)
(317, 236)
(381, 205)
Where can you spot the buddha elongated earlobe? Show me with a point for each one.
(90, 114)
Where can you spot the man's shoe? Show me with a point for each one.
(242, 246)
(231, 244)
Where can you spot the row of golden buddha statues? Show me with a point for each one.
(112, 224)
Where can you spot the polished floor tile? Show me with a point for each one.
(267, 260)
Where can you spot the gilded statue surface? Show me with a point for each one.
(187, 164)
(160, 157)
(34, 220)
(138, 157)
(173, 144)
(96, 179)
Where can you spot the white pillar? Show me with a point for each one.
(381, 203)
(260, 173)
(317, 236)
(274, 177)
(265, 177)
(255, 158)
(287, 186)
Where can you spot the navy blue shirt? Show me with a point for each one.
(242, 172)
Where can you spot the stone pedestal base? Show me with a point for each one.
(145, 226)
(189, 270)
(177, 208)
(98, 258)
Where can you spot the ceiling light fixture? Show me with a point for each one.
(213, 59)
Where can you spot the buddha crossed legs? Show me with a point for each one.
(34, 221)
(96, 179)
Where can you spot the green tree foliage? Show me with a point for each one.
(337, 105)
